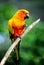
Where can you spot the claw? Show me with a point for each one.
(19, 36)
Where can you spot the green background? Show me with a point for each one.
(32, 45)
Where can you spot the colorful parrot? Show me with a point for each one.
(16, 27)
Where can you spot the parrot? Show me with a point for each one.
(16, 27)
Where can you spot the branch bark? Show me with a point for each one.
(16, 42)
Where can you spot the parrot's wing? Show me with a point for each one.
(10, 28)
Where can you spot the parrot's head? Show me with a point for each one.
(22, 14)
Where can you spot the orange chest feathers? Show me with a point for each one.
(19, 31)
(18, 28)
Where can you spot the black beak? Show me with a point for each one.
(27, 16)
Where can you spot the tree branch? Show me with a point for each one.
(16, 42)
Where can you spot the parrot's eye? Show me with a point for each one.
(23, 12)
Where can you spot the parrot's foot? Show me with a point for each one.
(19, 37)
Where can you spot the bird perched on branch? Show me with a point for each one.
(16, 27)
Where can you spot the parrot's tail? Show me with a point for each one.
(16, 49)
(16, 56)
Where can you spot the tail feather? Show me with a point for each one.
(16, 49)
(16, 54)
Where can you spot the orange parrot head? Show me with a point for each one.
(22, 14)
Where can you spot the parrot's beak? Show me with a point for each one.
(27, 16)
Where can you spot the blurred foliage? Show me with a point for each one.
(32, 45)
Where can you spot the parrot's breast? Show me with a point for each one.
(18, 32)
